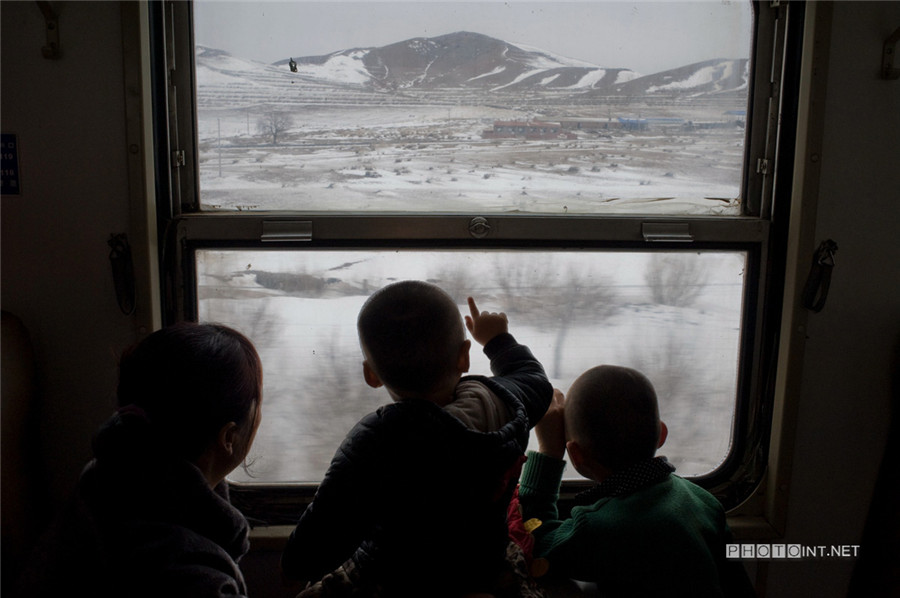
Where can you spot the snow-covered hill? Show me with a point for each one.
(457, 63)
(462, 59)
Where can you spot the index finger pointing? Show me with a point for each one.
(473, 309)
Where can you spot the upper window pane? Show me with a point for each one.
(525, 107)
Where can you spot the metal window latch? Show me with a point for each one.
(667, 231)
(178, 159)
(286, 230)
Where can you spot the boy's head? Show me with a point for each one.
(612, 417)
(413, 339)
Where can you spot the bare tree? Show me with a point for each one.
(274, 123)
(521, 282)
(549, 299)
(579, 297)
(675, 279)
(672, 369)
(457, 279)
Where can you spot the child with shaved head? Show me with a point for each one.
(414, 503)
(641, 531)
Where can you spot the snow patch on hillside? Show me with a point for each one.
(496, 71)
(340, 68)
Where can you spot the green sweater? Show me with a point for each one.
(667, 538)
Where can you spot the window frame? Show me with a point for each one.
(760, 231)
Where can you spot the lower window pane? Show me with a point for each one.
(676, 316)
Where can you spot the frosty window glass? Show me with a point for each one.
(503, 107)
(675, 315)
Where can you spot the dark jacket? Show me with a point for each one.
(417, 499)
(141, 525)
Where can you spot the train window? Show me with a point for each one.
(674, 315)
(615, 161)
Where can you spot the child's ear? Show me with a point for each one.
(576, 455)
(585, 464)
(663, 433)
(463, 362)
(370, 376)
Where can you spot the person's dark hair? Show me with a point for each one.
(412, 332)
(612, 412)
(190, 380)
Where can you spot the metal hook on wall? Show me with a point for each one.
(123, 272)
(888, 70)
(51, 50)
(815, 293)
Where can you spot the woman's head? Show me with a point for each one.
(192, 380)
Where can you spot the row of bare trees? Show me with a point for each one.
(548, 298)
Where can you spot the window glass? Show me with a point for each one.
(676, 316)
(514, 107)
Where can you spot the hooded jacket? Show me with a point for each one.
(415, 497)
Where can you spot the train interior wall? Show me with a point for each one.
(69, 116)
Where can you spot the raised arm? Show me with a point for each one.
(513, 365)
(541, 477)
(551, 430)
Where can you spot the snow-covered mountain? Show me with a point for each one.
(461, 61)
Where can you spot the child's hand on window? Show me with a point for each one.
(551, 430)
(485, 325)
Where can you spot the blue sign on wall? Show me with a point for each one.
(9, 165)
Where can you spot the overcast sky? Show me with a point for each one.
(645, 36)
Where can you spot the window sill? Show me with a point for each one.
(745, 527)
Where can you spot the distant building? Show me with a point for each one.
(734, 118)
(634, 124)
(590, 125)
(665, 122)
(526, 129)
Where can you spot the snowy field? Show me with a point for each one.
(435, 158)
(344, 146)
(676, 317)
